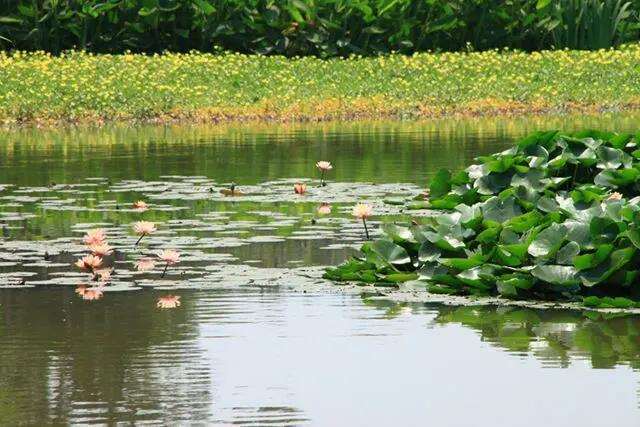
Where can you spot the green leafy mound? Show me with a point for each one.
(555, 217)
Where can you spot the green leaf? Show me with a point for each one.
(398, 234)
(548, 241)
(605, 270)
(566, 254)
(496, 209)
(440, 184)
(391, 252)
(610, 158)
(399, 277)
(616, 178)
(541, 4)
(428, 252)
(205, 7)
(556, 274)
(591, 260)
(524, 222)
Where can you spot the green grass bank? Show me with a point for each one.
(80, 87)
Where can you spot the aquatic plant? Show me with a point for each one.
(140, 205)
(300, 188)
(143, 228)
(169, 257)
(103, 275)
(101, 249)
(145, 264)
(363, 211)
(323, 166)
(94, 237)
(555, 217)
(324, 209)
(89, 262)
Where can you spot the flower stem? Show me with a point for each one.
(322, 183)
(366, 230)
(165, 270)
(138, 241)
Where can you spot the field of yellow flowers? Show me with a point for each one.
(83, 87)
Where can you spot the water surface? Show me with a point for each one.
(260, 339)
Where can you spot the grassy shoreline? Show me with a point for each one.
(79, 87)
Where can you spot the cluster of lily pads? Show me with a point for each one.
(555, 217)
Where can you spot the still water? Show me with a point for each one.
(259, 338)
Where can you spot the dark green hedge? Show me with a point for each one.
(321, 27)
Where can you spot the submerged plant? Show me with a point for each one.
(555, 217)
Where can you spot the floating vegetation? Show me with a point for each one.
(102, 237)
(556, 217)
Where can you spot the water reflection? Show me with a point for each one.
(554, 336)
(382, 152)
(65, 361)
(261, 356)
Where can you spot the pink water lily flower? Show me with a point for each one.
(140, 205)
(324, 209)
(101, 250)
(300, 188)
(170, 257)
(104, 274)
(615, 196)
(89, 262)
(169, 301)
(323, 166)
(94, 237)
(143, 228)
(363, 211)
(145, 264)
(80, 289)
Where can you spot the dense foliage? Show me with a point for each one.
(207, 87)
(555, 217)
(314, 27)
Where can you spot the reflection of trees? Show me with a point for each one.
(554, 336)
(380, 151)
(121, 356)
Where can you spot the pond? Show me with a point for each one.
(259, 337)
